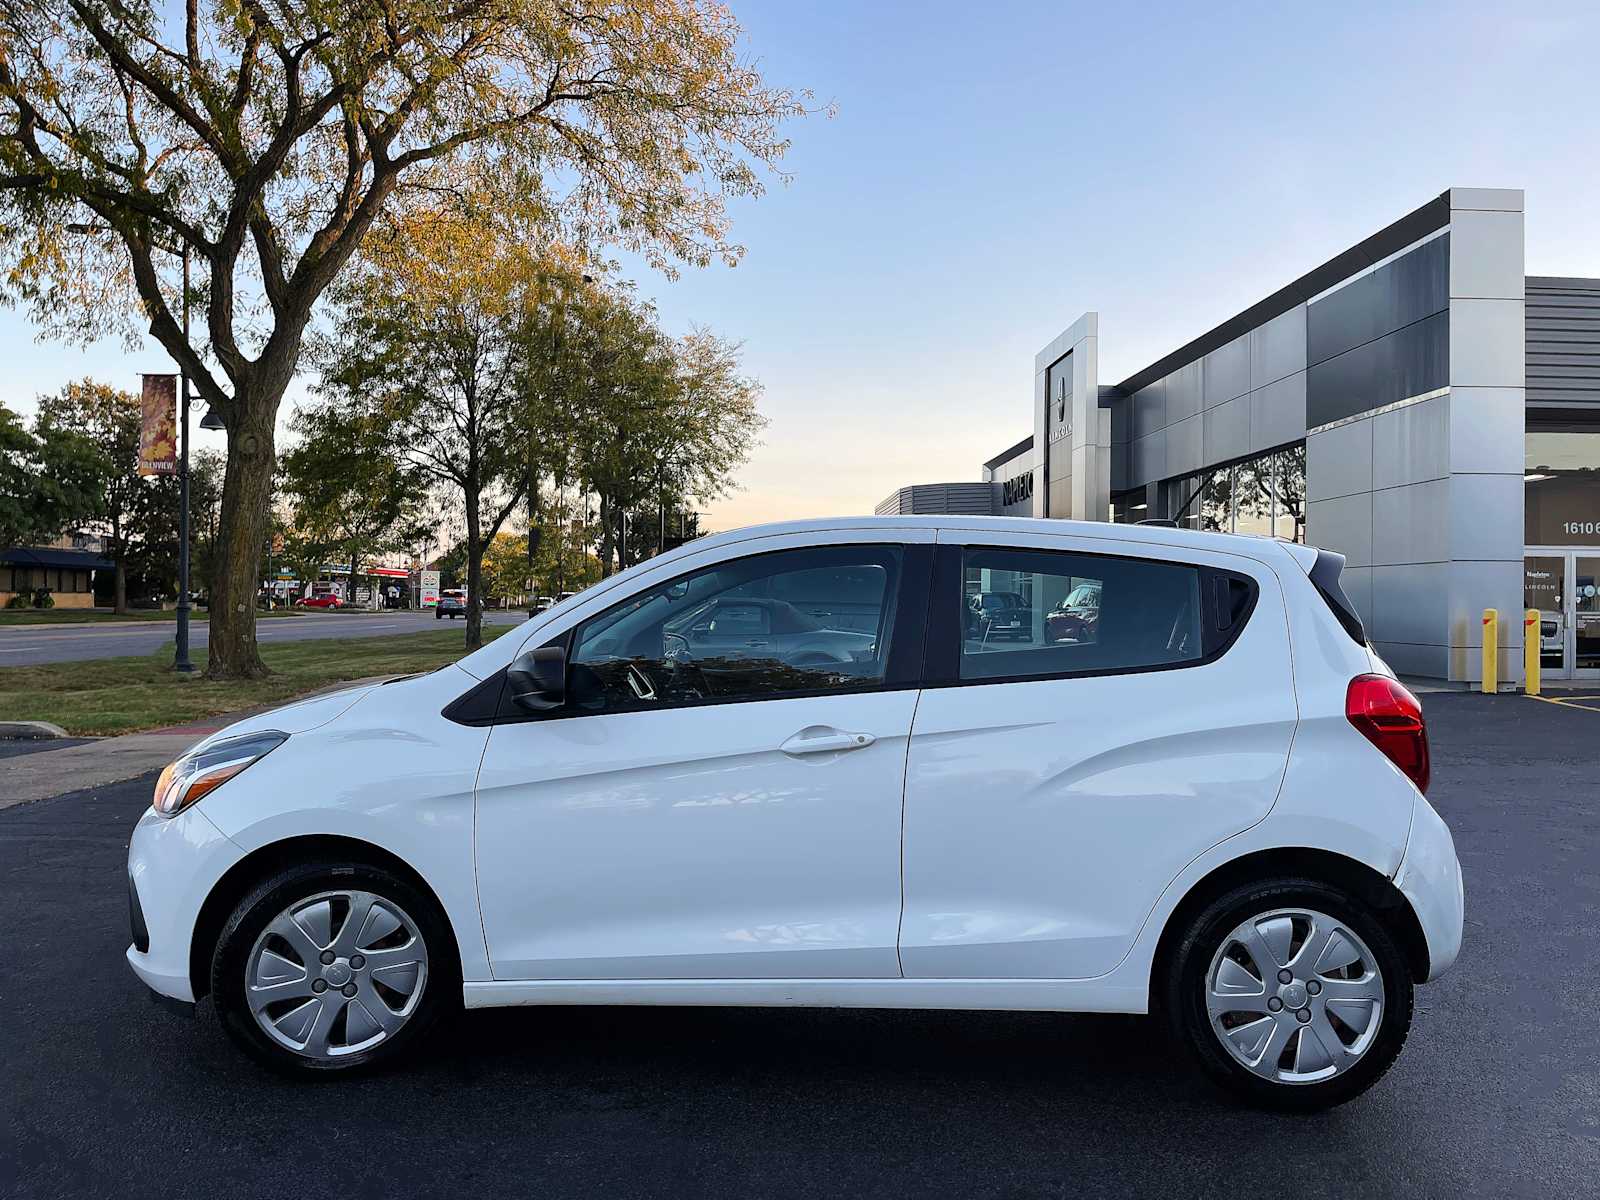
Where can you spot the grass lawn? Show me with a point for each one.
(85, 616)
(123, 695)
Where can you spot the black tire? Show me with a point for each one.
(441, 989)
(437, 614)
(1182, 993)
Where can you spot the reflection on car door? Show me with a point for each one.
(742, 835)
(1054, 787)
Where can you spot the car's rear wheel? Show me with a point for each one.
(330, 967)
(1290, 993)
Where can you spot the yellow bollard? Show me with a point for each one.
(1530, 651)
(1491, 651)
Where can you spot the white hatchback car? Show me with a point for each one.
(1208, 803)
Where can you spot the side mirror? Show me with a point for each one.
(538, 679)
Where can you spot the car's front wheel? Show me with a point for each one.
(1290, 993)
(331, 967)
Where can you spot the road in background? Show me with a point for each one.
(1496, 1094)
(29, 645)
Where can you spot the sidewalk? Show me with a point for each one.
(45, 773)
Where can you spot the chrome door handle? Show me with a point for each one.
(825, 739)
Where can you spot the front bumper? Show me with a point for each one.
(172, 866)
(1430, 878)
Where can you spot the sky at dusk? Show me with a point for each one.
(994, 170)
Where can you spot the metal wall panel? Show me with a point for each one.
(1185, 446)
(1226, 430)
(1408, 602)
(1400, 293)
(1343, 524)
(1184, 393)
(1563, 341)
(1147, 459)
(1411, 524)
(1278, 413)
(1225, 372)
(1148, 410)
(1411, 444)
(1339, 461)
(959, 499)
(1396, 366)
(1278, 348)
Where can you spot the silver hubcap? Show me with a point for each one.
(1295, 996)
(336, 973)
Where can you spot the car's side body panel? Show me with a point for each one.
(1044, 817)
(661, 844)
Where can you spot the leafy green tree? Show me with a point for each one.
(19, 475)
(110, 419)
(261, 141)
(658, 424)
(206, 471)
(352, 491)
(50, 480)
(425, 347)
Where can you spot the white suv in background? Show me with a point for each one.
(1206, 803)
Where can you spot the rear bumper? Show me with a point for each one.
(172, 866)
(1430, 878)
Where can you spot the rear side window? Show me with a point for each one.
(1080, 614)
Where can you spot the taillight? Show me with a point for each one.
(1390, 717)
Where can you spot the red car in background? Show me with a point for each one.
(328, 601)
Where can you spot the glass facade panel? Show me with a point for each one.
(1289, 494)
(1543, 588)
(1561, 487)
(1252, 496)
(1129, 508)
(1586, 613)
(1262, 495)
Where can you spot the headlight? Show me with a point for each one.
(200, 772)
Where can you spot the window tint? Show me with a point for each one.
(795, 621)
(1075, 612)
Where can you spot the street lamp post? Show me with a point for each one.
(180, 659)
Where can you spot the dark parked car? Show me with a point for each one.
(1076, 618)
(995, 615)
(452, 604)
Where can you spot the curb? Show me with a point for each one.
(30, 730)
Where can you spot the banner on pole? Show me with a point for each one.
(158, 426)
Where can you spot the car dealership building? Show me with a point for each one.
(1416, 403)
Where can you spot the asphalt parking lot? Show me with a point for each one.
(1497, 1093)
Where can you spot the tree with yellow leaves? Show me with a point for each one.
(264, 140)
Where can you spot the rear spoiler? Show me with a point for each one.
(1324, 570)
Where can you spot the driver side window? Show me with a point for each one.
(792, 622)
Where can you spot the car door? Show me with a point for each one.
(695, 814)
(1056, 784)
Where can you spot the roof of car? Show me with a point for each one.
(1251, 545)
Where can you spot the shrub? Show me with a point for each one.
(43, 599)
(20, 600)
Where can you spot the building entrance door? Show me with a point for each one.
(1584, 571)
(1564, 585)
